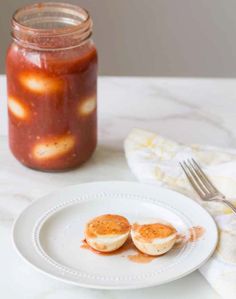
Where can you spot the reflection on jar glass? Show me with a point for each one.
(52, 86)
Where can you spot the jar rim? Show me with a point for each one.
(74, 21)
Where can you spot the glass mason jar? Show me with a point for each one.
(52, 86)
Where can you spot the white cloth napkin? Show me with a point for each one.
(154, 159)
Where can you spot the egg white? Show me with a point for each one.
(157, 246)
(107, 243)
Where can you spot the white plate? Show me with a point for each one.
(48, 234)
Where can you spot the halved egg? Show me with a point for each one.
(153, 237)
(107, 233)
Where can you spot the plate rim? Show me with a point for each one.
(144, 284)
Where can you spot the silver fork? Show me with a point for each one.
(202, 184)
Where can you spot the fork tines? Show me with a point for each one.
(198, 179)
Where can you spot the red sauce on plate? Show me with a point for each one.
(136, 256)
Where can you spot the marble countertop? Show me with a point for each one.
(187, 110)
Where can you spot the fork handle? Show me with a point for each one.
(229, 204)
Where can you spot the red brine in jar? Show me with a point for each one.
(52, 87)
